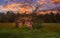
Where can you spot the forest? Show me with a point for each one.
(42, 18)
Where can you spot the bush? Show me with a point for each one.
(24, 27)
(37, 26)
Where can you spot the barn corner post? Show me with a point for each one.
(16, 23)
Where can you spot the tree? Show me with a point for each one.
(2, 17)
(27, 18)
(10, 16)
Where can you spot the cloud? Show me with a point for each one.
(16, 7)
(55, 1)
(21, 8)
(41, 2)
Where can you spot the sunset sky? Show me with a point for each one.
(3, 2)
(16, 4)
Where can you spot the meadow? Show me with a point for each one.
(46, 30)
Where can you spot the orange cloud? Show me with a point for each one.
(42, 2)
(18, 7)
(55, 1)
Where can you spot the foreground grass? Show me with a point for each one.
(48, 30)
(25, 33)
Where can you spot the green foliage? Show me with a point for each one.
(24, 27)
(37, 26)
(22, 33)
(50, 30)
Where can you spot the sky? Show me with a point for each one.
(12, 4)
(2, 2)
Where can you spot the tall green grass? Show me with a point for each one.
(47, 30)
(23, 33)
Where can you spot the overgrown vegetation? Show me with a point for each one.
(26, 33)
(48, 30)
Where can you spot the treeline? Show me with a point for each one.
(8, 17)
(47, 18)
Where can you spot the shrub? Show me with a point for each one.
(37, 26)
(24, 27)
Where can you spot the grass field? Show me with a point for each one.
(7, 25)
(48, 30)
